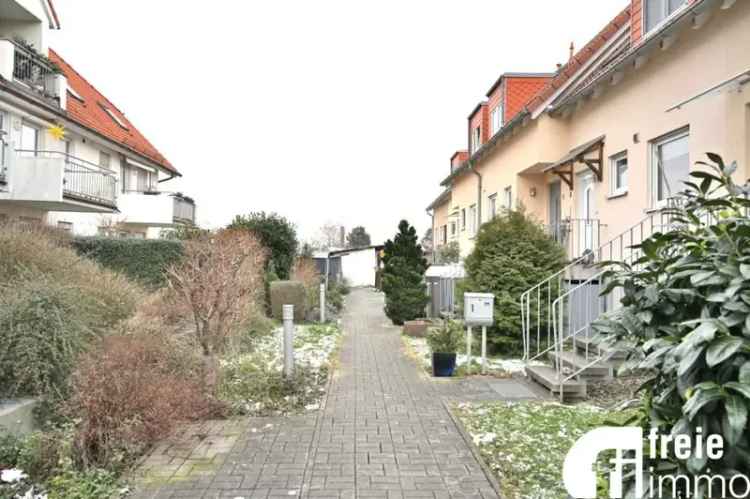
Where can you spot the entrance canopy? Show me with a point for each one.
(591, 154)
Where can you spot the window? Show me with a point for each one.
(444, 234)
(476, 137)
(114, 117)
(656, 11)
(670, 165)
(29, 139)
(137, 179)
(463, 219)
(104, 160)
(453, 229)
(473, 219)
(65, 226)
(508, 198)
(496, 119)
(492, 206)
(618, 167)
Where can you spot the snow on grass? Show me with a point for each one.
(495, 366)
(525, 443)
(253, 383)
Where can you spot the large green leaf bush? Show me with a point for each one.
(686, 317)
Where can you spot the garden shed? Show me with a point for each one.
(359, 266)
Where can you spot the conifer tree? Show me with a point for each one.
(403, 276)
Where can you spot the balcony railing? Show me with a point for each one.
(33, 70)
(577, 235)
(184, 210)
(83, 181)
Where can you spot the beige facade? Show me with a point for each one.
(628, 107)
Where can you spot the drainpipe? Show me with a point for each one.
(479, 193)
(431, 214)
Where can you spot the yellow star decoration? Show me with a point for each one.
(57, 131)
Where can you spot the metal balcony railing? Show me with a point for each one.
(82, 180)
(34, 71)
(577, 235)
(184, 210)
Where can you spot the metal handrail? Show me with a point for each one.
(552, 285)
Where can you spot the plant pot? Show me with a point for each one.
(443, 364)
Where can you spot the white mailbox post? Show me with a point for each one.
(479, 309)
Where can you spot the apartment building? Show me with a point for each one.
(595, 153)
(613, 132)
(69, 157)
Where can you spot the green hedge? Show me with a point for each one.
(288, 293)
(144, 260)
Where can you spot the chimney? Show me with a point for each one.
(572, 50)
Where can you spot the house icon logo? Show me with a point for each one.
(579, 468)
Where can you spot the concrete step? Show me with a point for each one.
(576, 362)
(547, 377)
(581, 343)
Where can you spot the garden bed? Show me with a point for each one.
(253, 383)
(524, 443)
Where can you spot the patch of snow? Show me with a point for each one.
(12, 475)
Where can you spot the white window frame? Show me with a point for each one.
(654, 162)
(472, 219)
(614, 189)
(105, 164)
(492, 205)
(665, 13)
(496, 118)
(508, 198)
(476, 138)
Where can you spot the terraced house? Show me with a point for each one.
(604, 142)
(70, 157)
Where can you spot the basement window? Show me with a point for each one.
(655, 12)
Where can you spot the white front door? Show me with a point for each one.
(586, 212)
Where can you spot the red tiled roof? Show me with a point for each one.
(92, 113)
(580, 58)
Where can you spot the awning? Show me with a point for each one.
(564, 168)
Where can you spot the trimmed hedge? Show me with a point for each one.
(143, 260)
(288, 293)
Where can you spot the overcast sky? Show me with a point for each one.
(324, 111)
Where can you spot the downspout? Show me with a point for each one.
(431, 214)
(479, 193)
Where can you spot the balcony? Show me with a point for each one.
(577, 235)
(155, 209)
(31, 71)
(55, 181)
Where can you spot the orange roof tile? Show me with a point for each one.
(580, 58)
(97, 113)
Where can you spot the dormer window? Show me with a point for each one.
(657, 11)
(496, 118)
(476, 138)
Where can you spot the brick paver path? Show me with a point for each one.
(384, 432)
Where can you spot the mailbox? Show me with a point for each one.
(479, 309)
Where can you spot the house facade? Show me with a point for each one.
(70, 157)
(611, 134)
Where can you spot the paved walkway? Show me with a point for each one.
(384, 432)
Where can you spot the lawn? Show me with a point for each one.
(525, 443)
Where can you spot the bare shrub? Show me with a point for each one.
(220, 280)
(129, 393)
(306, 272)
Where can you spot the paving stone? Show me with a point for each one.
(383, 432)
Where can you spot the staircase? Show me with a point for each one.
(557, 313)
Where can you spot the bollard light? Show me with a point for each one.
(288, 320)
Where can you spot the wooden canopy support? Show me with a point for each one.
(590, 154)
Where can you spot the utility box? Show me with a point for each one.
(479, 309)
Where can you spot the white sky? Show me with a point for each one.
(325, 111)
